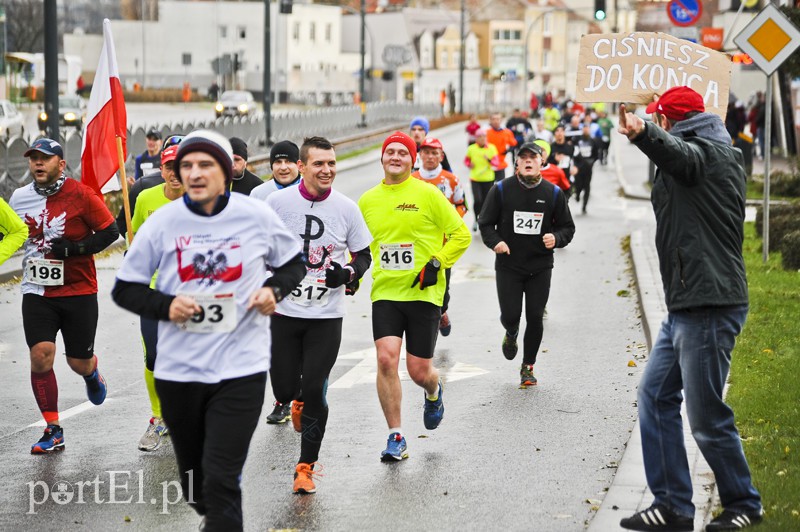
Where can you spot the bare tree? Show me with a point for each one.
(25, 25)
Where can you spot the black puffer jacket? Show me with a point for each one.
(699, 200)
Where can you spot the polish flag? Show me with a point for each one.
(107, 120)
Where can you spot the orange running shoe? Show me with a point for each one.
(303, 478)
(297, 415)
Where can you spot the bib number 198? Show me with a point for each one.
(45, 272)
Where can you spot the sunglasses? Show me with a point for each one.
(172, 140)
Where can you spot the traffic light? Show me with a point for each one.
(600, 9)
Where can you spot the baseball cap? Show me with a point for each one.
(46, 146)
(153, 134)
(676, 102)
(531, 147)
(430, 142)
(169, 154)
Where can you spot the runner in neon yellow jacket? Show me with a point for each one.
(14, 231)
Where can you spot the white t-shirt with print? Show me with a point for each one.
(326, 230)
(221, 260)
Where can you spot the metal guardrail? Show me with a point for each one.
(337, 123)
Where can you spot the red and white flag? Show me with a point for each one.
(107, 120)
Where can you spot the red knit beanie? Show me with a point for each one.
(405, 140)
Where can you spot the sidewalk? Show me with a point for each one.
(628, 492)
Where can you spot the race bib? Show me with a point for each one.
(311, 292)
(217, 314)
(564, 163)
(45, 272)
(528, 223)
(586, 151)
(397, 256)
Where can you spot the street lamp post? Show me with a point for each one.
(527, 36)
(361, 78)
(461, 64)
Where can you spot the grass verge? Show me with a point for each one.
(765, 389)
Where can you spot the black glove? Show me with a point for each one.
(62, 248)
(351, 288)
(427, 276)
(336, 276)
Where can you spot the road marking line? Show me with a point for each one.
(69, 412)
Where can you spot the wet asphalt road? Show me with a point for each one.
(503, 458)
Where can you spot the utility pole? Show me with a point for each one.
(51, 68)
(267, 98)
(461, 63)
(363, 52)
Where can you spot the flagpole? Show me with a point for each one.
(126, 201)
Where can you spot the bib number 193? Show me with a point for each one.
(217, 314)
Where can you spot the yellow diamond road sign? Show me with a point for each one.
(770, 38)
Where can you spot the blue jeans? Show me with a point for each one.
(693, 353)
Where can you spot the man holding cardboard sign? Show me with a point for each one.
(698, 199)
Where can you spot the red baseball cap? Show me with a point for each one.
(430, 142)
(676, 102)
(169, 154)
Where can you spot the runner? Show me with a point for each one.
(407, 219)
(551, 172)
(307, 327)
(482, 160)
(419, 129)
(212, 251)
(14, 231)
(67, 224)
(283, 157)
(523, 220)
(151, 200)
(503, 139)
(433, 173)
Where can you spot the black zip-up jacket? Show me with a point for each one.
(699, 200)
(497, 223)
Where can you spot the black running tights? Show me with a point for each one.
(303, 354)
(511, 287)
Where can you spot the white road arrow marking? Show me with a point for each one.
(366, 371)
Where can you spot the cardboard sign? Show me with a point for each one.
(633, 67)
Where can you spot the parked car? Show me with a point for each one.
(71, 113)
(12, 122)
(235, 103)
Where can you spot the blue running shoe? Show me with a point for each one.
(434, 411)
(96, 388)
(396, 448)
(52, 440)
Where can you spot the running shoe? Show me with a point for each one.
(280, 414)
(303, 478)
(659, 518)
(444, 325)
(526, 377)
(396, 448)
(510, 346)
(733, 520)
(297, 415)
(52, 440)
(152, 437)
(96, 388)
(433, 411)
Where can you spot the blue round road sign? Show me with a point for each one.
(684, 12)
